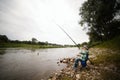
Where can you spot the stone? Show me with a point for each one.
(68, 73)
(78, 76)
(106, 68)
(71, 60)
(56, 73)
(64, 61)
(54, 78)
(96, 67)
(61, 61)
(72, 74)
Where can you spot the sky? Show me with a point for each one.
(27, 19)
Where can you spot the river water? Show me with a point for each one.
(32, 64)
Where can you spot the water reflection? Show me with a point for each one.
(24, 64)
(2, 51)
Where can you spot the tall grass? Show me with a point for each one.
(112, 44)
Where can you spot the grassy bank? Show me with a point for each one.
(23, 45)
(108, 55)
(111, 44)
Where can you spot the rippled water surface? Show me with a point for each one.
(31, 64)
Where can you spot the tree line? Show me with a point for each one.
(101, 19)
(34, 41)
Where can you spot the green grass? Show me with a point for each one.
(107, 59)
(22, 45)
(112, 44)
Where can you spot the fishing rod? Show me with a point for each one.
(72, 40)
(68, 35)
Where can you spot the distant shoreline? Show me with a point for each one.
(23, 45)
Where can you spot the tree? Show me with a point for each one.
(99, 15)
(34, 40)
(84, 43)
(3, 38)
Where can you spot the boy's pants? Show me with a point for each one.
(83, 63)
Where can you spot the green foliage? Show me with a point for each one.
(84, 43)
(34, 40)
(99, 15)
(107, 59)
(111, 56)
(5, 42)
(92, 44)
(113, 43)
(3, 38)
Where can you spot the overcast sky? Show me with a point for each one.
(24, 19)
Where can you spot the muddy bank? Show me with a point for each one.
(99, 70)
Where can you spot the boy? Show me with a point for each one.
(82, 57)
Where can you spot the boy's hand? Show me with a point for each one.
(78, 55)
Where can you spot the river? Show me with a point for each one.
(32, 64)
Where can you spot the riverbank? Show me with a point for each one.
(106, 67)
(23, 45)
